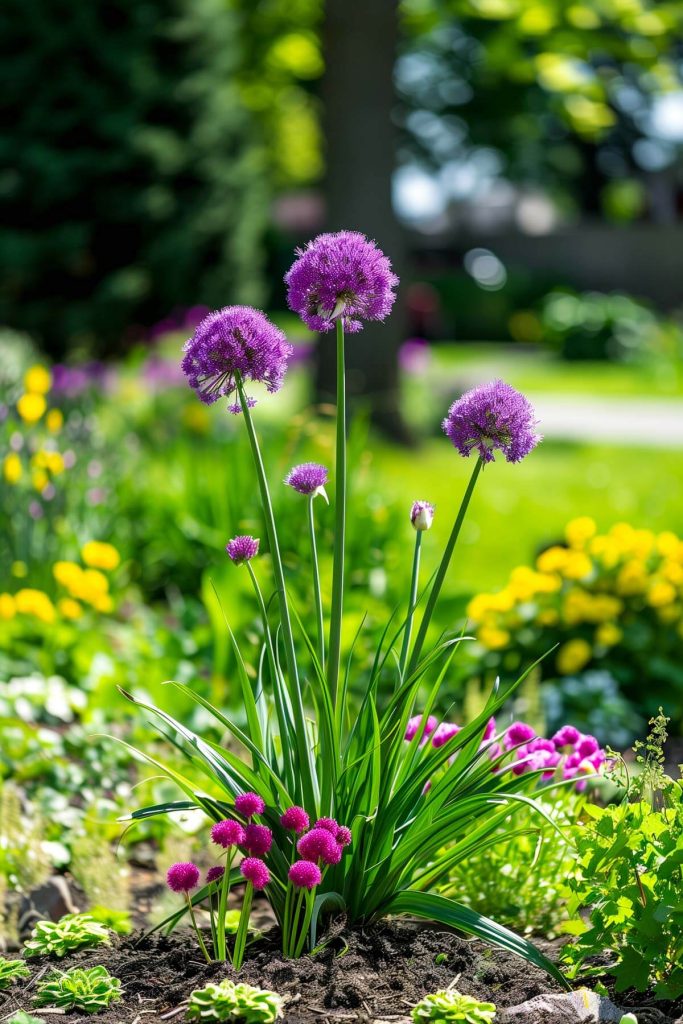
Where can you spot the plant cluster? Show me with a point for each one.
(628, 882)
(71, 932)
(11, 971)
(449, 1006)
(89, 990)
(608, 600)
(240, 1002)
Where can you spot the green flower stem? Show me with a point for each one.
(293, 940)
(286, 924)
(221, 945)
(196, 928)
(305, 765)
(310, 898)
(442, 570)
(243, 928)
(336, 609)
(412, 602)
(316, 584)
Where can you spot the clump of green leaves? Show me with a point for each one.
(118, 921)
(449, 1006)
(629, 880)
(90, 990)
(73, 931)
(11, 971)
(24, 1018)
(228, 1001)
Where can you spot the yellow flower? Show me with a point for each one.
(19, 569)
(67, 573)
(607, 550)
(100, 555)
(577, 566)
(632, 578)
(95, 581)
(11, 468)
(37, 380)
(69, 608)
(608, 634)
(39, 479)
(579, 531)
(661, 593)
(7, 606)
(552, 560)
(547, 617)
(493, 639)
(31, 407)
(573, 655)
(102, 602)
(36, 603)
(672, 571)
(576, 607)
(49, 460)
(54, 420)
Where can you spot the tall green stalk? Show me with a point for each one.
(316, 584)
(442, 570)
(336, 610)
(412, 602)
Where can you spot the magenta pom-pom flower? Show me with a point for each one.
(255, 871)
(443, 733)
(492, 416)
(422, 515)
(304, 874)
(235, 341)
(214, 873)
(227, 833)
(295, 819)
(341, 274)
(518, 732)
(567, 736)
(182, 877)
(318, 844)
(344, 836)
(329, 824)
(415, 723)
(490, 730)
(258, 839)
(249, 804)
(242, 549)
(587, 746)
(308, 478)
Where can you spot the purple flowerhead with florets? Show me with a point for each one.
(255, 871)
(415, 723)
(443, 733)
(492, 416)
(329, 824)
(567, 736)
(295, 819)
(227, 833)
(518, 732)
(242, 549)
(318, 844)
(182, 877)
(249, 804)
(309, 478)
(214, 873)
(304, 874)
(344, 836)
(341, 274)
(258, 839)
(490, 730)
(422, 515)
(235, 342)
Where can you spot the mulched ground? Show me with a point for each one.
(367, 976)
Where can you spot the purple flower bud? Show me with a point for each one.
(242, 549)
(258, 839)
(255, 871)
(304, 874)
(329, 824)
(492, 416)
(182, 877)
(344, 836)
(490, 730)
(214, 873)
(587, 745)
(318, 844)
(567, 736)
(415, 723)
(422, 515)
(249, 804)
(309, 478)
(295, 819)
(227, 833)
(518, 732)
(444, 732)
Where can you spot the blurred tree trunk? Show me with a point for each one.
(360, 38)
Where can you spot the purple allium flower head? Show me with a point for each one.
(340, 274)
(587, 745)
(295, 819)
(182, 877)
(492, 416)
(309, 478)
(255, 871)
(344, 836)
(237, 340)
(334, 854)
(541, 744)
(227, 833)
(443, 733)
(567, 736)
(422, 515)
(242, 549)
(414, 724)
(317, 844)
(235, 408)
(329, 824)
(214, 873)
(258, 839)
(518, 732)
(304, 874)
(249, 804)
(490, 730)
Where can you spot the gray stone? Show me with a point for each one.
(580, 1007)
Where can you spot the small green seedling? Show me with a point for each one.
(629, 1018)
(11, 971)
(441, 958)
(117, 920)
(24, 1018)
(450, 1007)
(240, 1003)
(90, 990)
(73, 931)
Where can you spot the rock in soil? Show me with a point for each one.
(580, 1007)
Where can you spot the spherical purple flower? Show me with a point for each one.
(567, 736)
(258, 839)
(295, 819)
(308, 478)
(304, 874)
(318, 844)
(443, 733)
(249, 804)
(415, 723)
(540, 744)
(329, 824)
(182, 877)
(518, 732)
(237, 340)
(242, 549)
(255, 871)
(340, 275)
(490, 730)
(214, 873)
(587, 745)
(492, 416)
(334, 854)
(422, 515)
(227, 833)
(344, 836)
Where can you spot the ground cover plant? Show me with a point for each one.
(449, 1006)
(71, 932)
(230, 1001)
(90, 990)
(11, 971)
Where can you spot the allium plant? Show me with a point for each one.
(304, 743)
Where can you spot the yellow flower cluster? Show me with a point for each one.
(87, 585)
(27, 602)
(587, 591)
(32, 405)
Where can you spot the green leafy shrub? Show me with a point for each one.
(449, 1006)
(11, 971)
(118, 920)
(241, 1003)
(73, 931)
(629, 883)
(89, 990)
